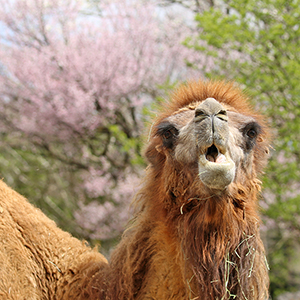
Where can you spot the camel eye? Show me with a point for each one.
(252, 133)
(168, 133)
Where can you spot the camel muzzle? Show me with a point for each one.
(216, 168)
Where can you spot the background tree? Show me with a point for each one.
(256, 43)
(197, 6)
(75, 78)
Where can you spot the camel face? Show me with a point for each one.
(212, 141)
(216, 168)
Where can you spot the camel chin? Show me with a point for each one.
(216, 174)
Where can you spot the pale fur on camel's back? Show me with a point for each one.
(37, 259)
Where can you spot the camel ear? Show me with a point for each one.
(154, 152)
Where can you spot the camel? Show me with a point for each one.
(195, 230)
(195, 233)
(38, 261)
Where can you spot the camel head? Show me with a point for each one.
(207, 141)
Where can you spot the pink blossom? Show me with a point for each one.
(68, 73)
(73, 69)
(107, 220)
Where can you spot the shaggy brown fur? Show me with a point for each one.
(37, 259)
(189, 241)
(191, 238)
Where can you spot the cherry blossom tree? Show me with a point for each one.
(75, 77)
(197, 6)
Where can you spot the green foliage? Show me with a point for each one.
(128, 145)
(283, 254)
(46, 182)
(256, 43)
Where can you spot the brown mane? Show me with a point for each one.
(225, 92)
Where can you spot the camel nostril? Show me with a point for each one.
(200, 115)
(222, 115)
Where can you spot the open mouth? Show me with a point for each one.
(216, 168)
(214, 155)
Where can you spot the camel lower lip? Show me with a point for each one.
(220, 161)
(216, 174)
